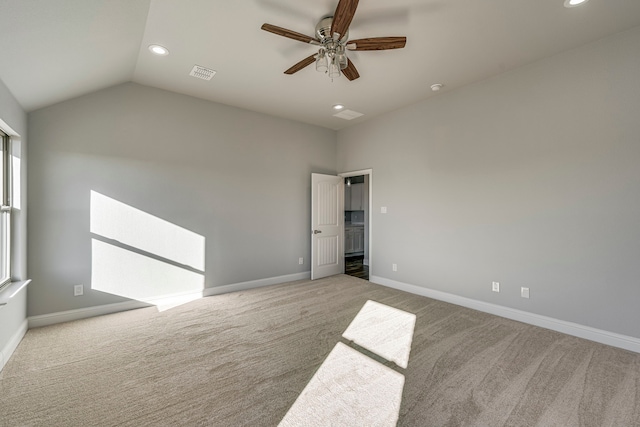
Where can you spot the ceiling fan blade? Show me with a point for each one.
(342, 17)
(289, 34)
(300, 65)
(377, 43)
(350, 72)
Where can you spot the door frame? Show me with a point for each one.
(370, 213)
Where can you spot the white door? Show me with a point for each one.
(327, 225)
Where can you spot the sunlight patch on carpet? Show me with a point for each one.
(349, 389)
(352, 389)
(383, 330)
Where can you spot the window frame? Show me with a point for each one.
(5, 210)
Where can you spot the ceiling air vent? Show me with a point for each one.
(202, 73)
(348, 114)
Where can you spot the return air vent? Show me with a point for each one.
(348, 114)
(202, 73)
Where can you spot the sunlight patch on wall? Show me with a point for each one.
(352, 389)
(152, 260)
(118, 221)
(128, 274)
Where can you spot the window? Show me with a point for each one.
(5, 210)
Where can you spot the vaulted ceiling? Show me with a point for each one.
(54, 50)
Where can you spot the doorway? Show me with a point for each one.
(357, 223)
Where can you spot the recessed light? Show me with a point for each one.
(338, 107)
(436, 87)
(574, 3)
(156, 49)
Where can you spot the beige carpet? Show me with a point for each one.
(243, 359)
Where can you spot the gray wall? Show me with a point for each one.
(531, 179)
(238, 178)
(13, 315)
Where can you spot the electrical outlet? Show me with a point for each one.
(394, 267)
(300, 260)
(495, 286)
(78, 290)
(524, 292)
(383, 209)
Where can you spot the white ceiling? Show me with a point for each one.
(53, 50)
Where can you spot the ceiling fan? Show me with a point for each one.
(332, 37)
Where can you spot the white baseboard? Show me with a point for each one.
(83, 313)
(243, 286)
(11, 346)
(569, 328)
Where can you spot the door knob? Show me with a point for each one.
(317, 231)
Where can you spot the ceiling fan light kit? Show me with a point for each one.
(332, 37)
(332, 56)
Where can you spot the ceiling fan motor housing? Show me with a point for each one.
(323, 30)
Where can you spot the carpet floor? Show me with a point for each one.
(242, 359)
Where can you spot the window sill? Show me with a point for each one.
(12, 290)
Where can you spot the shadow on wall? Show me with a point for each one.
(139, 256)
